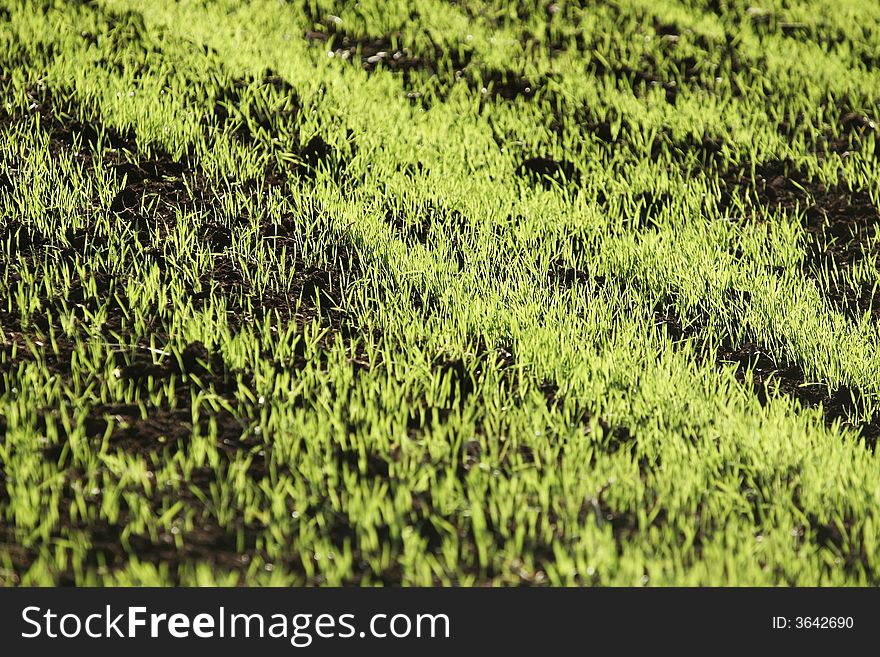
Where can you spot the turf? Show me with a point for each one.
(429, 293)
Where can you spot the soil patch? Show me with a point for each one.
(388, 52)
(154, 190)
(547, 171)
(411, 229)
(768, 374)
(493, 83)
(840, 227)
(446, 66)
(256, 108)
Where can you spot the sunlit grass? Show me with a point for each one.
(474, 387)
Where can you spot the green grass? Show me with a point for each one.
(333, 333)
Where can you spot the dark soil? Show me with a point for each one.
(164, 431)
(446, 67)
(548, 172)
(768, 374)
(493, 83)
(646, 77)
(692, 152)
(263, 111)
(839, 225)
(562, 274)
(783, 377)
(648, 207)
(412, 229)
(385, 51)
(388, 52)
(154, 188)
(844, 135)
(255, 109)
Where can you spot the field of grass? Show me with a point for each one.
(484, 292)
